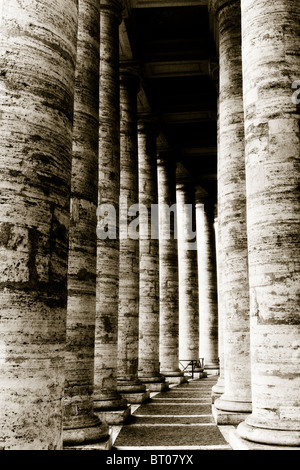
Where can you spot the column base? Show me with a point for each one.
(174, 377)
(131, 387)
(215, 396)
(177, 380)
(269, 436)
(103, 445)
(157, 387)
(155, 383)
(227, 417)
(225, 403)
(201, 374)
(95, 431)
(212, 368)
(136, 397)
(238, 443)
(112, 409)
(218, 390)
(119, 416)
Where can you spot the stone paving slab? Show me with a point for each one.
(177, 419)
(183, 396)
(180, 409)
(171, 419)
(170, 436)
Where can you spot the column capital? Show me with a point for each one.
(203, 197)
(130, 74)
(215, 6)
(148, 123)
(187, 187)
(166, 157)
(113, 7)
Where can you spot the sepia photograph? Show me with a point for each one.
(149, 228)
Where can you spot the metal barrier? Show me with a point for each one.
(190, 366)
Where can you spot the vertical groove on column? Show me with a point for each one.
(149, 369)
(207, 280)
(81, 425)
(168, 268)
(271, 63)
(128, 330)
(188, 273)
(232, 217)
(106, 395)
(38, 54)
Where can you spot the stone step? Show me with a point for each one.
(179, 419)
(171, 435)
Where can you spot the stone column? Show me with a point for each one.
(232, 221)
(207, 282)
(218, 389)
(149, 367)
(168, 268)
(81, 425)
(129, 384)
(188, 273)
(109, 404)
(37, 77)
(271, 65)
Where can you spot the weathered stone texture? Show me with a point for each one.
(38, 52)
(188, 273)
(219, 388)
(207, 282)
(168, 266)
(271, 63)
(128, 324)
(107, 284)
(80, 423)
(232, 217)
(149, 258)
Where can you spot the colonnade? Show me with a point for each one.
(98, 305)
(258, 219)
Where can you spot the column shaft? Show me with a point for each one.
(106, 395)
(128, 329)
(271, 64)
(218, 389)
(232, 217)
(207, 281)
(149, 368)
(80, 423)
(168, 269)
(38, 54)
(188, 273)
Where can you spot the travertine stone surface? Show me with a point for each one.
(232, 217)
(107, 284)
(168, 266)
(271, 63)
(149, 370)
(207, 282)
(128, 327)
(80, 423)
(218, 389)
(37, 76)
(188, 273)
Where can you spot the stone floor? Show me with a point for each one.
(180, 418)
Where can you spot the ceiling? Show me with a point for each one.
(173, 42)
